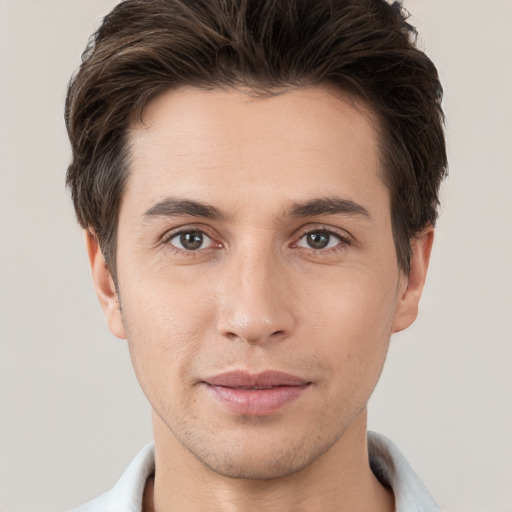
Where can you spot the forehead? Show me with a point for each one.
(302, 142)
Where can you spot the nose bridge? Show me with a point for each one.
(253, 307)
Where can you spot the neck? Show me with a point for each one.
(339, 480)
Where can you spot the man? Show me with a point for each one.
(258, 181)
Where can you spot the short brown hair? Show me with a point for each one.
(365, 48)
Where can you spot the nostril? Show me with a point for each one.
(251, 324)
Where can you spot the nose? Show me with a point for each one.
(255, 303)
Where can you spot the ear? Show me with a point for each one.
(105, 287)
(410, 291)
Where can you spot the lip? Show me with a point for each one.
(258, 394)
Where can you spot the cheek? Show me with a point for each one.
(165, 327)
(352, 321)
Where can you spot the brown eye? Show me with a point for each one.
(191, 240)
(319, 240)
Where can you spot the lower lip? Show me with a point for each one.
(256, 402)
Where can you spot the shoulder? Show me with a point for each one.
(392, 469)
(127, 493)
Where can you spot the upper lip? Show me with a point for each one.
(266, 379)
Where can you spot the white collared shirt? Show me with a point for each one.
(386, 461)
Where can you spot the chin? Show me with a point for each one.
(257, 467)
(261, 459)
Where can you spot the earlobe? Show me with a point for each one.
(104, 286)
(410, 294)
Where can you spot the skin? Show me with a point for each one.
(255, 295)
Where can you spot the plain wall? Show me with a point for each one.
(72, 415)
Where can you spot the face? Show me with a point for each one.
(257, 274)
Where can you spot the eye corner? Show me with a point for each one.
(322, 239)
(189, 241)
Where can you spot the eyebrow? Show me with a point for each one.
(328, 206)
(175, 207)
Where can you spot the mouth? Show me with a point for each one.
(259, 394)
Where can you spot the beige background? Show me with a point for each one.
(72, 415)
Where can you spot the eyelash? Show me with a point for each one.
(344, 240)
(183, 252)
